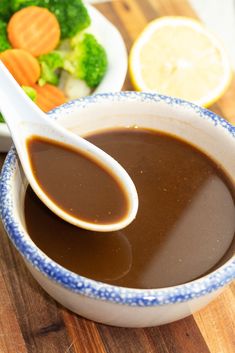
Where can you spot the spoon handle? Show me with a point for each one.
(21, 106)
(26, 120)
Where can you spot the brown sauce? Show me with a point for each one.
(77, 184)
(184, 226)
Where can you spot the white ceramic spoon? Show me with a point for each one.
(25, 119)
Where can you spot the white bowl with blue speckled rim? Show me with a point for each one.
(108, 35)
(98, 301)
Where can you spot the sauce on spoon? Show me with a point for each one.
(81, 186)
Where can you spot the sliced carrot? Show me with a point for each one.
(49, 97)
(34, 29)
(22, 65)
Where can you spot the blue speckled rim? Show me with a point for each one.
(91, 288)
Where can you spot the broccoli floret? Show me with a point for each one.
(1, 119)
(20, 4)
(4, 43)
(31, 92)
(49, 64)
(88, 60)
(5, 10)
(72, 16)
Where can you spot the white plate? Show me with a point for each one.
(111, 39)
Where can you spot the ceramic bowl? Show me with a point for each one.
(111, 39)
(98, 301)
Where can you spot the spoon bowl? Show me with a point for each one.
(25, 120)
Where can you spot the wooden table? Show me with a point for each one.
(32, 322)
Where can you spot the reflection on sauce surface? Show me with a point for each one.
(184, 226)
(76, 183)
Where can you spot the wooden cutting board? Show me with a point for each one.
(32, 322)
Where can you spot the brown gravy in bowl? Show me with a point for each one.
(184, 226)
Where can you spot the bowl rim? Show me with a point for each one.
(92, 288)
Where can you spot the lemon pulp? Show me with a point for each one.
(177, 56)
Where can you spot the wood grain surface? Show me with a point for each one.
(32, 322)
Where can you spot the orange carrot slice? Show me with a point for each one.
(34, 29)
(49, 97)
(22, 65)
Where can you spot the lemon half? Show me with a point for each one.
(178, 56)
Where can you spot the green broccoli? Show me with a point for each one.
(49, 64)
(1, 119)
(4, 43)
(72, 16)
(30, 91)
(5, 9)
(88, 60)
(20, 4)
